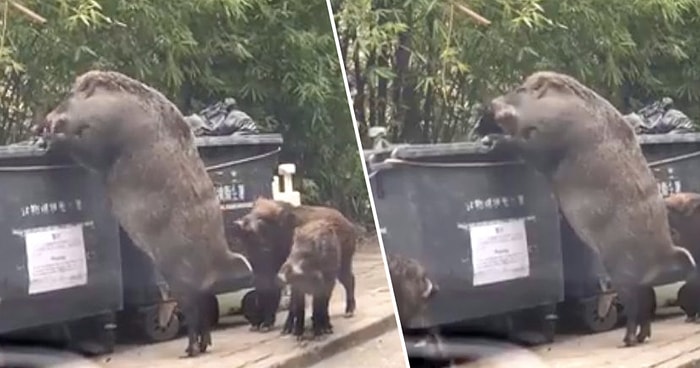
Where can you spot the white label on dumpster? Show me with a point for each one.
(56, 258)
(499, 251)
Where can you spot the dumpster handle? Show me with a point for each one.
(36, 168)
(214, 167)
(387, 162)
(450, 164)
(244, 160)
(492, 164)
(674, 159)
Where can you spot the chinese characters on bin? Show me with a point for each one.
(495, 203)
(50, 208)
(233, 192)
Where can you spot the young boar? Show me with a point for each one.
(605, 189)
(159, 191)
(266, 233)
(684, 221)
(311, 269)
(412, 286)
(689, 299)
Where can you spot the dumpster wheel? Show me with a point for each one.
(249, 307)
(593, 322)
(153, 331)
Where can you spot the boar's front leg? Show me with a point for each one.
(290, 322)
(321, 314)
(534, 151)
(297, 306)
(347, 279)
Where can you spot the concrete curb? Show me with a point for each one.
(338, 343)
(687, 359)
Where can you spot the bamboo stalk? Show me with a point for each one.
(29, 13)
(471, 13)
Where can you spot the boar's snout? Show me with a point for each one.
(245, 225)
(289, 271)
(501, 110)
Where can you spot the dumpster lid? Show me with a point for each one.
(238, 140)
(21, 151)
(438, 149)
(669, 138)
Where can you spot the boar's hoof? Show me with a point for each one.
(349, 314)
(629, 341)
(642, 337)
(327, 328)
(204, 344)
(265, 329)
(254, 328)
(690, 319)
(191, 352)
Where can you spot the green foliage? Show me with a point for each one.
(422, 66)
(277, 58)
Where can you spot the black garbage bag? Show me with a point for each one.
(220, 119)
(660, 118)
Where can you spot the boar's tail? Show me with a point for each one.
(678, 267)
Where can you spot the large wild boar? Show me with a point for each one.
(159, 191)
(266, 233)
(311, 269)
(412, 286)
(605, 189)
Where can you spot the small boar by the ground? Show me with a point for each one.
(266, 233)
(689, 299)
(159, 191)
(311, 269)
(411, 284)
(684, 220)
(600, 177)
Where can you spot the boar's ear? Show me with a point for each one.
(547, 82)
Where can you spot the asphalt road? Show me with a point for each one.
(384, 351)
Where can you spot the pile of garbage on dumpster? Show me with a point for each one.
(220, 119)
(659, 117)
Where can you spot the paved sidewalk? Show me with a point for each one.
(673, 344)
(236, 347)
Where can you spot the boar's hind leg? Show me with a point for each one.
(190, 306)
(630, 298)
(347, 279)
(270, 304)
(205, 319)
(644, 313)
